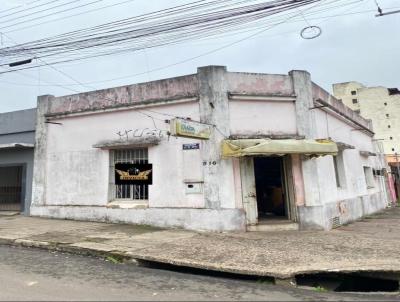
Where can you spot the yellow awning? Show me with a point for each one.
(268, 147)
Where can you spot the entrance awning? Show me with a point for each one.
(269, 147)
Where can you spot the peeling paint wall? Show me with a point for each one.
(340, 131)
(350, 202)
(174, 88)
(324, 200)
(259, 84)
(78, 174)
(262, 117)
(319, 93)
(191, 219)
(75, 175)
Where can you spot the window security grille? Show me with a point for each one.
(335, 222)
(128, 192)
(10, 188)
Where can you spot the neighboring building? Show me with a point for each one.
(269, 148)
(382, 106)
(17, 138)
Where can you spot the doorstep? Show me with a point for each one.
(273, 226)
(9, 213)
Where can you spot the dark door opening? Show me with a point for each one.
(11, 188)
(270, 188)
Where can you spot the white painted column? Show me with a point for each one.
(306, 126)
(40, 155)
(219, 190)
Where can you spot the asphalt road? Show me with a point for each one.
(33, 274)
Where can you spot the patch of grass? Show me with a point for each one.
(320, 289)
(114, 259)
(265, 281)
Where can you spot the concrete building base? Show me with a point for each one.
(191, 219)
(331, 215)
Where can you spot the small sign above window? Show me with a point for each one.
(133, 174)
(191, 146)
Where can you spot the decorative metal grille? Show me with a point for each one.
(128, 192)
(335, 222)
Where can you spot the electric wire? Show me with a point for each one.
(50, 14)
(57, 70)
(154, 35)
(170, 65)
(67, 17)
(31, 8)
(18, 6)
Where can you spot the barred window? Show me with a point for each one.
(128, 192)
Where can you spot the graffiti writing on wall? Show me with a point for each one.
(144, 132)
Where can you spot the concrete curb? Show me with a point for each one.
(131, 258)
(128, 257)
(63, 247)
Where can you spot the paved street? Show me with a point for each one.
(34, 274)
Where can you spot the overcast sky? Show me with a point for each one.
(356, 47)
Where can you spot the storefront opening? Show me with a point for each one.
(270, 192)
(11, 188)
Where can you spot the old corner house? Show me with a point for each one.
(269, 148)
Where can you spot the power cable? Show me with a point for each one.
(28, 9)
(51, 14)
(203, 54)
(18, 6)
(186, 60)
(116, 37)
(54, 68)
(70, 16)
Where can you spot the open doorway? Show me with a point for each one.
(11, 188)
(270, 188)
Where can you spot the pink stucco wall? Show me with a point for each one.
(259, 84)
(255, 117)
(320, 93)
(78, 174)
(174, 88)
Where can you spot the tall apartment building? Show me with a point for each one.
(382, 106)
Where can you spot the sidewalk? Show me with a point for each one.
(372, 244)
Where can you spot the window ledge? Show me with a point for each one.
(128, 204)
